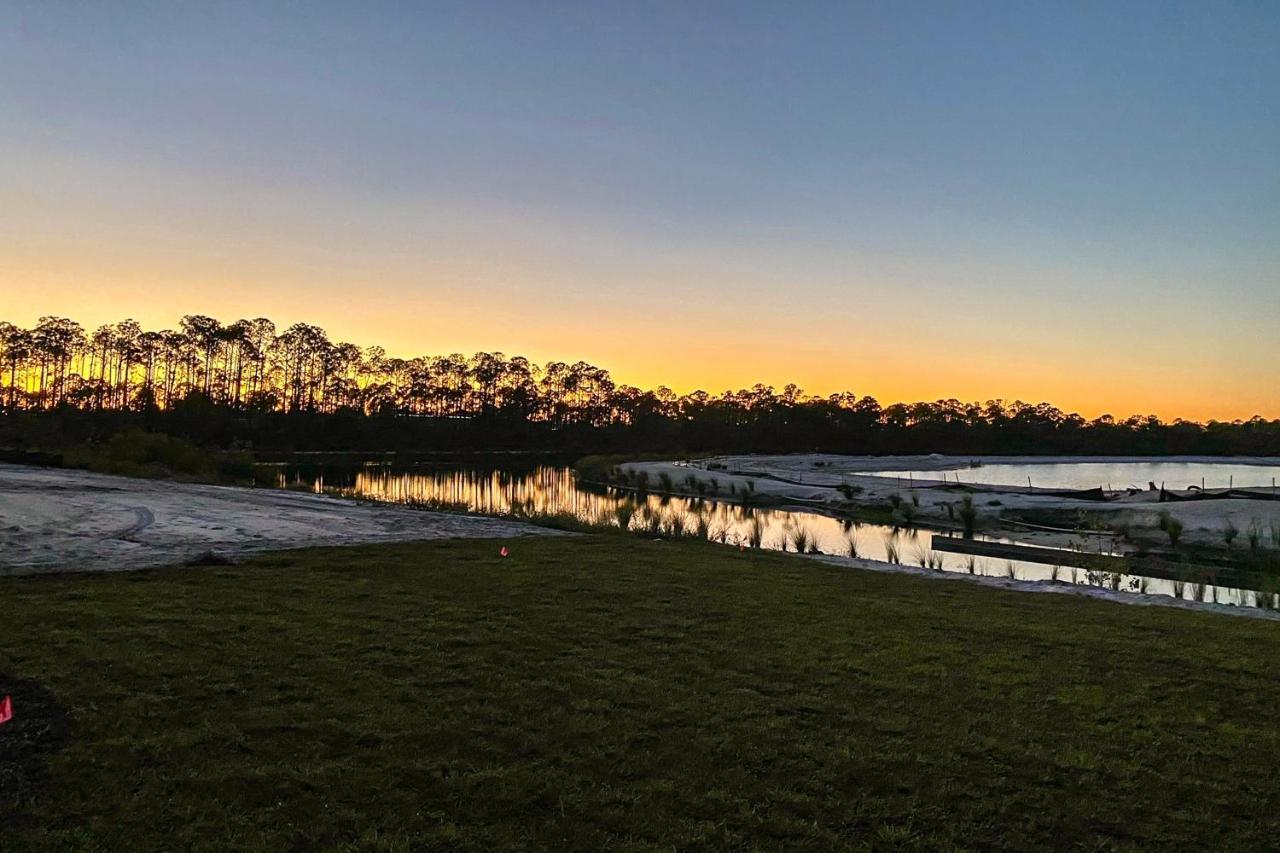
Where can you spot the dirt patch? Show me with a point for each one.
(58, 520)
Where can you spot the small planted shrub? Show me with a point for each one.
(623, 513)
(1173, 528)
(895, 500)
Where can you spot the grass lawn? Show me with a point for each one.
(611, 693)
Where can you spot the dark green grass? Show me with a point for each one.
(610, 693)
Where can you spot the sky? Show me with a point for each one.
(1072, 202)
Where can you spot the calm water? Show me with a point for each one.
(554, 489)
(1108, 475)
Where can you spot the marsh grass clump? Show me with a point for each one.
(642, 482)
(851, 545)
(664, 482)
(676, 524)
(1254, 535)
(895, 500)
(651, 523)
(802, 538)
(1010, 570)
(907, 512)
(755, 532)
(891, 550)
(848, 491)
(972, 565)
(623, 512)
(929, 559)
(1229, 532)
(702, 526)
(1173, 529)
(968, 514)
(915, 499)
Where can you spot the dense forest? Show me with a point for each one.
(247, 384)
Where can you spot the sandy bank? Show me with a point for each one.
(817, 480)
(54, 520)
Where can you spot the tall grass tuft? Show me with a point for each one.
(664, 482)
(929, 559)
(623, 513)
(755, 532)
(1254, 535)
(802, 539)
(891, 550)
(675, 524)
(968, 515)
(851, 544)
(651, 523)
(1229, 532)
(1173, 528)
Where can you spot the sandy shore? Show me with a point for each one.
(55, 520)
(813, 479)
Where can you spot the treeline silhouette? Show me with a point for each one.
(248, 384)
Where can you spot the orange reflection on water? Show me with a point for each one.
(550, 490)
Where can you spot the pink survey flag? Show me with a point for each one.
(504, 551)
(6, 709)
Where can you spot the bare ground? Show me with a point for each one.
(57, 520)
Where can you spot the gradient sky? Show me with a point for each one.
(1074, 202)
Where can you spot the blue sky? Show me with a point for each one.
(1064, 201)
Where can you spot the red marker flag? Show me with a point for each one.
(6, 710)
(504, 551)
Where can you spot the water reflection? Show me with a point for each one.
(550, 489)
(1108, 475)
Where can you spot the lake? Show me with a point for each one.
(1119, 474)
(517, 488)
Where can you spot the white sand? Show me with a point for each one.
(811, 479)
(54, 520)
